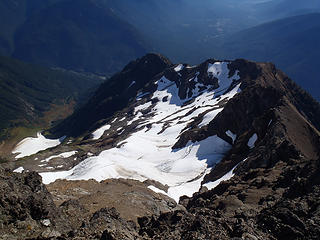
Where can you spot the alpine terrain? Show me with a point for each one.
(219, 150)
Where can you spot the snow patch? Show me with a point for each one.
(252, 141)
(232, 135)
(142, 107)
(133, 82)
(209, 117)
(30, 145)
(178, 68)
(141, 95)
(157, 190)
(19, 170)
(62, 155)
(97, 134)
(227, 176)
(221, 71)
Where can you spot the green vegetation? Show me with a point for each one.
(27, 92)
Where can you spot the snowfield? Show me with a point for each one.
(62, 155)
(99, 132)
(148, 153)
(30, 145)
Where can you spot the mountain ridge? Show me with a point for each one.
(235, 143)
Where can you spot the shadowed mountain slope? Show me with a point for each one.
(78, 35)
(28, 91)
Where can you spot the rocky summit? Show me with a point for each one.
(221, 150)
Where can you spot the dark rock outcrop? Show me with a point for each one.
(27, 209)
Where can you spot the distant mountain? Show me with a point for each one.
(292, 43)
(79, 35)
(12, 15)
(174, 26)
(28, 91)
(285, 8)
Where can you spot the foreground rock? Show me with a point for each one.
(131, 198)
(27, 209)
(76, 210)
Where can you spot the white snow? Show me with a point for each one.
(147, 153)
(30, 145)
(61, 155)
(232, 135)
(97, 134)
(142, 107)
(269, 122)
(133, 82)
(141, 95)
(19, 170)
(220, 70)
(178, 68)
(227, 176)
(252, 141)
(157, 190)
(46, 222)
(138, 116)
(209, 117)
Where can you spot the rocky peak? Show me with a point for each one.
(113, 95)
